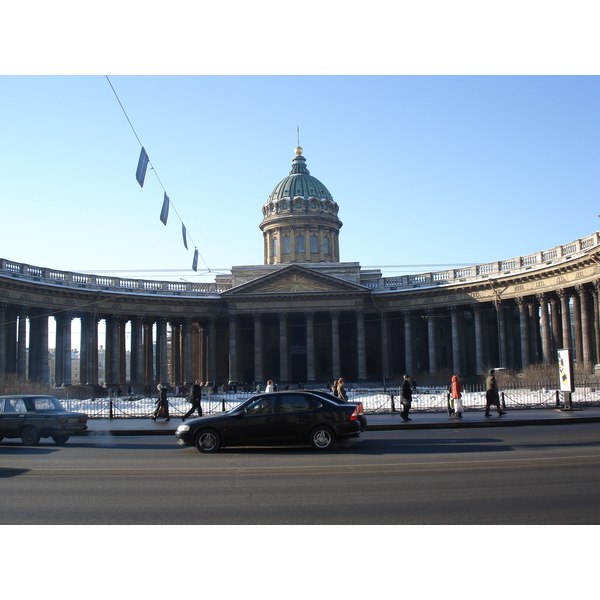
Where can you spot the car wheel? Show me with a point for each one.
(30, 436)
(322, 438)
(61, 439)
(208, 440)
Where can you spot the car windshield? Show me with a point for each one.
(42, 403)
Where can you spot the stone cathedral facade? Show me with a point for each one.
(304, 316)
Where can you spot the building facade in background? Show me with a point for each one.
(304, 316)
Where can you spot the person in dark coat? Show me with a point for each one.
(162, 404)
(406, 398)
(195, 397)
(491, 395)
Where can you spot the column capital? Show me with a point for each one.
(522, 301)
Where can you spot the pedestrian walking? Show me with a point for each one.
(195, 396)
(341, 391)
(456, 396)
(162, 404)
(334, 387)
(406, 398)
(270, 387)
(492, 397)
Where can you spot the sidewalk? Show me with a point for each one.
(380, 422)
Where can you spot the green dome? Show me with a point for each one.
(300, 183)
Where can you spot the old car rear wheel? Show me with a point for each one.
(61, 439)
(322, 438)
(30, 436)
(208, 440)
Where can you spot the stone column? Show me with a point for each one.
(3, 337)
(176, 367)
(112, 350)
(385, 346)
(38, 348)
(121, 326)
(258, 348)
(456, 349)
(149, 364)
(310, 346)
(33, 373)
(22, 344)
(565, 319)
(284, 364)
(84, 349)
(335, 344)
(502, 337)
(577, 329)
(479, 347)
(59, 350)
(10, 328)
(585, 327)
(362, 353)
(595, 297)
(408, 353)
(546, 336)
(188, 376)
(212, 351)
(534, 331)
(431, 340)
(524, 330)
(137, 351)
(68, 373)
(161, 346)
(556, 325)
(233, 348)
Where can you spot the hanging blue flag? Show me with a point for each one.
(140, 174)
(195, 263)
(164, 213)
(183, 233)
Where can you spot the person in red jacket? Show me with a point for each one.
(456, 394)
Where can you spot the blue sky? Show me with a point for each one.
(427, 170)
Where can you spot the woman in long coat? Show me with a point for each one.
(162, 404)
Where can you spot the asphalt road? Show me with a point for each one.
(521, 475)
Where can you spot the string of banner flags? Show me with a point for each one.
(140, 176)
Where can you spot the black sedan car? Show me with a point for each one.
(359, 406)
(34, 417)
(276, 418)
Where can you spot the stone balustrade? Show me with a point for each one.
(448, 277)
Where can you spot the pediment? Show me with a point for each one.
(293, 280)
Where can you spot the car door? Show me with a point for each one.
(12, 416)
(254, 424)
(295, 417)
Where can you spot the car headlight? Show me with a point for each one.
(183, 428)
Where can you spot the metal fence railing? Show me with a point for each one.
(374, 401)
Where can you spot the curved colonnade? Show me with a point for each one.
(306, 323)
